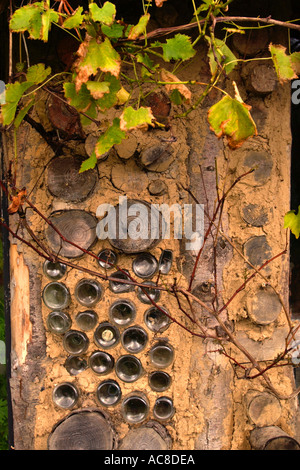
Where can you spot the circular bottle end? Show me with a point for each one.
(65, 395)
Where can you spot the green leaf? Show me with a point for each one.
(132, 118)
(223, 54)
(292, 221)
(23, 113)
(139, 28)
(179, 47)
(283, 63)
(14, 92)
(109, 99)
(105, 15)
(89, 163)
(176, 97)
(113, 136)
(24, 17)
(37, 73)
(48, 17)
(115, 31)
(75, 20)
(148, 64)
(35, 18)
(81, 99)
(94, 56)
(97, 89)
(231, 118)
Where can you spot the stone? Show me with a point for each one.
(257, 250)
(157, 188)
(255, 215)
(262, 79)
(127, 147)
(264, 307)
(157, 157)
(129, 177)
(262, 164)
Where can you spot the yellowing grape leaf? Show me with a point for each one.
(283, 63)
(97, 89)
(95, 56)
(75, 20)
(113, 136)
(139, 28)
(173, 83)
(105, 15)
(230, 117)
(292, 221)
(35, 18)
(133, 118)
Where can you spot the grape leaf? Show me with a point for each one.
(113, 136)
(132, 118)
(35, 19)
(231, 118)
(109, 99)
(89, 163)
(223, 54)
(292, 221)
(94, 56)
(22, 113)
(139, 28)
(75, 20)
(115, 31)
(179, 47)
(48, 17)
(283, 63)
(81, 99)
(97, 89)
(14, 92)
(122, 96)
(26, 17)
(37, 73)
(105, 15)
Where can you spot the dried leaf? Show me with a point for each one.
(173, 83)
(159, 3)
(17, 201)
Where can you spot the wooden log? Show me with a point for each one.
(156, 158)
(252, 42)
(263, 408)
(262, 79)
(83, 430)
(152, 436)
(75, 225)
(272, 438)
(64, 118)
(65, 182)
(142, 222)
